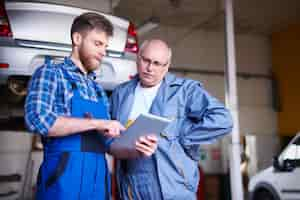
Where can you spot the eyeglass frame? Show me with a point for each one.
(148, 62)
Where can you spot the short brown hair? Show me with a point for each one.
(90, 21)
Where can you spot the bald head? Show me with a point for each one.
(157, 44)
(153, 62)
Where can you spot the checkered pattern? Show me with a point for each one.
(50, 92)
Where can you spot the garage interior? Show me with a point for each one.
(267, 56)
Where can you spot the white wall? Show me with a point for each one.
(204, 50)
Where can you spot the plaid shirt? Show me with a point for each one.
(50, 92)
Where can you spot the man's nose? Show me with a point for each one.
(102, 51)
(150, 66)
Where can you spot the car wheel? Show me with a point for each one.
(264, 195)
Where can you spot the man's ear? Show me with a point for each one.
(77, 38)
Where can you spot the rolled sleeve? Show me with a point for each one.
(39, 115)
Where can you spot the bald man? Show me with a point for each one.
(172, 171)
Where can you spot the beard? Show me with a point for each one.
(90, 62)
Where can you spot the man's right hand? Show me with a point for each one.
(64, 126)
(110, 128)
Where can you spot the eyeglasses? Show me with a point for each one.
(148, 61)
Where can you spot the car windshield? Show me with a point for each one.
(292, 152)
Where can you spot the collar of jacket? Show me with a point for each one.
(165, 92)
(69, 65)
(169, 79)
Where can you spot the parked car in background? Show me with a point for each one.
(31, 31)
(282, 180)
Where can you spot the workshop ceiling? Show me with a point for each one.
(251, 16)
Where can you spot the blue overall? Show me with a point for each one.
(74, 167)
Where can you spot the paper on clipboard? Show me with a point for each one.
(145, 124)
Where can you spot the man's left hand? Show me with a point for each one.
(146, 145)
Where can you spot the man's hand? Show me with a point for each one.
(146, 145)
(64, 126)
(110, 128)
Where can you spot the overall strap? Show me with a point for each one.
(102, 96)
(47, 60)
(99, 90)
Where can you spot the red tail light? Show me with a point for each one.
(5, 30)
(4, 65)
(132, 43)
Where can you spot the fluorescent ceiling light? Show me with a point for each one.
(148, 25)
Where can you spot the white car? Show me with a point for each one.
(282, 180)
(31, 31)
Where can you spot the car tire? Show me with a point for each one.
(264, 195)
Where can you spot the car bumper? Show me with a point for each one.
(23, 61)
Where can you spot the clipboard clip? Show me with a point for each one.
(163, 135)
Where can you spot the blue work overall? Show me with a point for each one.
(74, 167)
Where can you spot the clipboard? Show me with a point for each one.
(144, 125)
